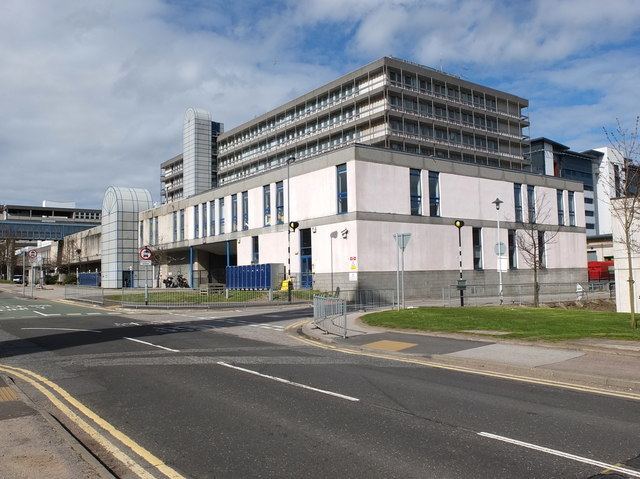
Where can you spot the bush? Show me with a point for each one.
(51, 279)
(71, 279)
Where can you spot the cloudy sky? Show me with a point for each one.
(92, 92)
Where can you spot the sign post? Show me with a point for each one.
(402, 240)
(145, 260)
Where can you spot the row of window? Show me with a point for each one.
(512, 249)
(415, 192)
(560, 206)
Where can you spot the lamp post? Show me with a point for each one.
(290, 160)
(461, 282)
(498, 202)
(333, 235)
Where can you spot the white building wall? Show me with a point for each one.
(605, 189)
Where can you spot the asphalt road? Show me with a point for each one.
(188, 394)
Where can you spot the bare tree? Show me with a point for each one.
(533, 239)
(161, 256)
(625, 207)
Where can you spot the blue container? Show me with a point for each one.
(250, 277)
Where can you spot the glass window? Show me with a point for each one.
(266, 202)
(513, 252)
(255, 250)
(181, 224)
(477, 248)
(434, 193)
(415, 191)
(174, 221)
(155, 231)
(279, 202)
(212, 217)
(221, 206)
(234, 212)
(517, 199)
(150, 238)
(572, 209)
(541, 249)
(531, 203)
(196, 222)
(245, 210)
(141, 233)
(341, 171)
(560, 201)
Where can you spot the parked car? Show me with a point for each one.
(17, 279)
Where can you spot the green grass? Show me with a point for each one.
(180, 296)
(6, 281)
(521, 323)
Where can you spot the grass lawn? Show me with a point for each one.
(182, 296)
(521, 323)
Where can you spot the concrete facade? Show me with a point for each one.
(358, 244)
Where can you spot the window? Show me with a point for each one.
(477, 248)
(341, 171)
(531, 203)
(592, 256)
(141, 240)
(155, 231)
(150, 239)
(517, 201)
(415, 191)
(212, 218)
(542, 257)
(174, 221)
(560, 201)
(279, 202)
(572, 209)
(255, 251)
(513, 252)
(434, 193)
(196, 222)
(266, 203)
(616, 181)
(245, 210)
(181, 225)
(234, 212)
(221, 206)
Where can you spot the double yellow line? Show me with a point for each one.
(86, 419)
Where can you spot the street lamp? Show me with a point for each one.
(290, 160)
(333, 235)
(461, 282)
(498, 248)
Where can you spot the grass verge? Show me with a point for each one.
(178, 296)
(521, 323)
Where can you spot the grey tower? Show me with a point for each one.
(196, 144)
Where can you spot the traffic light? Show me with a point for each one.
(293, 225)
(458, 223)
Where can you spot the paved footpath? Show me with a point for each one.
(609, 364)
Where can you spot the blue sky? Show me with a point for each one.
(93, 93)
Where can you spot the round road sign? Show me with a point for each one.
(145, 253)
(33, 254)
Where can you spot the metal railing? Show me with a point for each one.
(89, 294)
(330, 315)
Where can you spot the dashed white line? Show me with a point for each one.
(67, 329)
(154, 345)
(555, 452)
(291, 383)
(41, 314)
(74, 314)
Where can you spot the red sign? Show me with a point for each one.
(145, 253)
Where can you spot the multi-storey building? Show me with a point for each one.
(389, 103)
(549, 157)
(195, 169)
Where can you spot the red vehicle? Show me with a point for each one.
(599, 270)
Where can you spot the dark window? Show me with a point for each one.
(517, 199)
(196, 222)
(560, 201)
(513, 252)
(616, 180)
(590, 226)
(588, 201)
(255, 250)
(477, 248)
(266, 201)
(415, 190)
(342, 188)
(531, 203)
(221, 215)
(141, 240)
(572, 209)
(181, 225)
(279, 202)
(245, 210)
(175, 225)
(234, 212)
(541, 249)
(434, 193)
(589, 213)
(212, 217)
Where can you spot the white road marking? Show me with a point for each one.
(286, 381)
(73, 314)
(67, 329)
(41, 314)
(154, 345)
(94, 314)
(593, 462)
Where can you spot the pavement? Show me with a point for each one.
(610, 364)
(240, 394)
